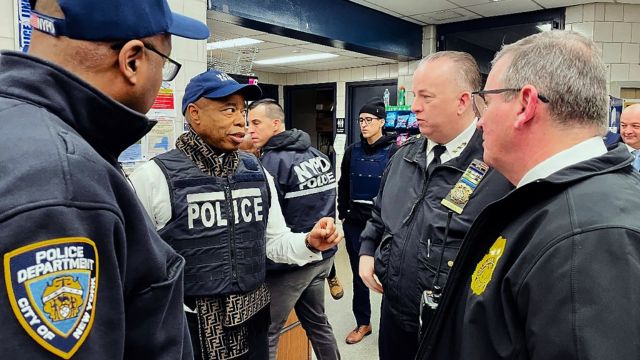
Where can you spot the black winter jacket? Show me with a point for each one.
(304, 179)
(549, 272)
(358, 213)
(408, 223)
(62, 189)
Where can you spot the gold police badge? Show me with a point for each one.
(484, 270)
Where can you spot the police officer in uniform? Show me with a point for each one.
(306, 189)
(219, 209)
(86, 275)
(362, 167)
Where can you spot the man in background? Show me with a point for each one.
(630, 131)
(306, 190)
(413, 235)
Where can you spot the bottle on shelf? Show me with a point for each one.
(386, 97)
(401, 99)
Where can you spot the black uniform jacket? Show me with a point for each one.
(549, 272)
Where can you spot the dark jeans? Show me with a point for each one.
(395, 343)
(361, 305)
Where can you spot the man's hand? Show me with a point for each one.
(367, 274)
(324, 235)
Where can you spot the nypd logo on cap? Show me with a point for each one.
(52, 286)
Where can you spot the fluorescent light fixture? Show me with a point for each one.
(544, 27)
(232, 43)
(296, 58)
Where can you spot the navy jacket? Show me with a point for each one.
(304, 180)
(408, 223)
(549, 272)
(74, 236)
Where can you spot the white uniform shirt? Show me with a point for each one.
(282, 245)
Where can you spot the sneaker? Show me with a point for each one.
(335, 288)
(358, 334)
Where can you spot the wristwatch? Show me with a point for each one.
(308, 244)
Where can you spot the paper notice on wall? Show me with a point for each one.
(161, 138)
(164, 105)
(132, 154)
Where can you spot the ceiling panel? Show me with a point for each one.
(412, 7)
(319, 48)
(561, 3)
(505, 7)
(447, 16)
(470, 2)
(377, 7)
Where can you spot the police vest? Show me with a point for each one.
(366, 172)
(217, 224)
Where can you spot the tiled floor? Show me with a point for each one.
(341, 317)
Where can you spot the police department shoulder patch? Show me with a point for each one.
(52, 286)
(484, 270)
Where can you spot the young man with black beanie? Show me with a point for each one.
(362, 167)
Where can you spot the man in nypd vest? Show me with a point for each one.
(307, 192)
(218, 208)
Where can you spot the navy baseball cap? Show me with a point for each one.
(214, 84)
(112, 20)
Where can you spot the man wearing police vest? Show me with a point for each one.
(219, 209)
(306, 189)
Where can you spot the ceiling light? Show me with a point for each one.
(232, 43)
(544, 27)
(297, 58)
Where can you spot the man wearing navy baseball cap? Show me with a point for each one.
(219, 209)
(86, 275)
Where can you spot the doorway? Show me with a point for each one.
(358, 94)
(311, 108)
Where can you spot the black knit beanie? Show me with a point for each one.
(375, 106)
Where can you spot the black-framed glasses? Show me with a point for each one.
(170, 68)
(480, 104)
(367, 120)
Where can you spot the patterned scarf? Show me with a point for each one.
(221, 320)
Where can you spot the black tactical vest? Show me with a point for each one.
(217, 224)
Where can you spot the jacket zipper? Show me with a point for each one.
(232, 235)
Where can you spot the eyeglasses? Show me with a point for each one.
(367, 120)
(170, 68)
(480, 104)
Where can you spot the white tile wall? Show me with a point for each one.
(603, 31)
(574, 14)
(611, 52)
(7, 25)
(630, 53)
(621, 32)
(616, 30)
(613, 12)
(619, 72)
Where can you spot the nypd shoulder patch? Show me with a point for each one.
(52, 286)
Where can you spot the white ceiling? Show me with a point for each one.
(419, 12)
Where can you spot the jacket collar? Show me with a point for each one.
(105, 124)
(614, 160)
(417, 153)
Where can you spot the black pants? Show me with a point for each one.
(395, 343)
(361, 304)
(258, 336)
